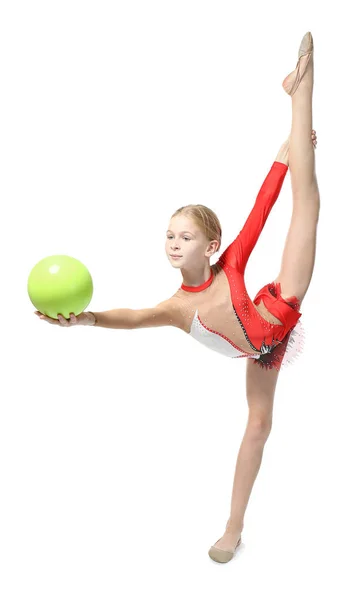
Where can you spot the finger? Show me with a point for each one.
(49, 320)
(41, 316)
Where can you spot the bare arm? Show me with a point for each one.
(165, 313)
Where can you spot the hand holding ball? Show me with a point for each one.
(60, 285)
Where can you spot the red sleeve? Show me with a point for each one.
(238, 252)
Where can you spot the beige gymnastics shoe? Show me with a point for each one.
(292, 81)
(222, 556)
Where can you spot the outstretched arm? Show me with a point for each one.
(165, 313)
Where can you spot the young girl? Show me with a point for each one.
(212, 303)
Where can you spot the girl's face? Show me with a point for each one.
(187, 241)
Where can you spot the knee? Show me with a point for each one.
(259, 427)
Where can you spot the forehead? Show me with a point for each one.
(181, 222)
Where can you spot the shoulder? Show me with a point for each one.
(164, 313)
(170, 311)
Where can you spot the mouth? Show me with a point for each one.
(175, 256)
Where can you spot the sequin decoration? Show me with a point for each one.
(285, 353)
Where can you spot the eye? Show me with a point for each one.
(185, 238)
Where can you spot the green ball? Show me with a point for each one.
(60, 284)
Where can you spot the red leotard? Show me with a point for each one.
(267, 339)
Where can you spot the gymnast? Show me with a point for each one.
(212, 304)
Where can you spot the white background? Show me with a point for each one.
(118, 448)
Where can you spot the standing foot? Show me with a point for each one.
(225, 548)
(228, 541)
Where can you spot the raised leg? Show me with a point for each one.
(300, 248)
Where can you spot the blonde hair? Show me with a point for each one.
(205, 219)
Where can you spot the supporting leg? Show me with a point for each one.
(260, 389)
(247, 467)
